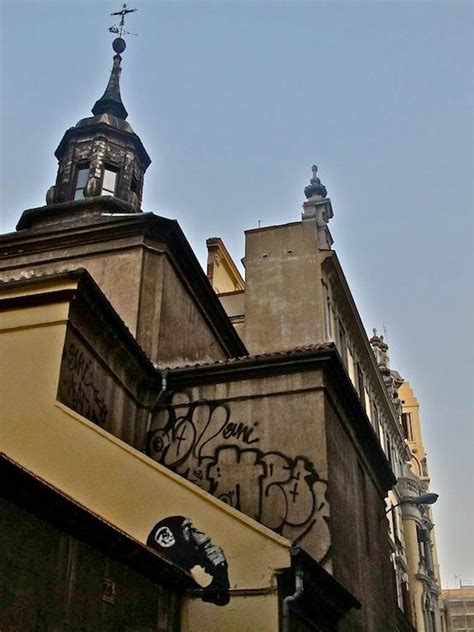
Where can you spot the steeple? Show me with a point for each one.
(111, 101)
(318, 208)
(102, 155)
(315, 188)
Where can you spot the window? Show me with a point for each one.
(81, 181)
(406, 598)
(407, 427)
(396, 527)
(368, 406)
(351, 365)
(360, 380)
(388, 449)
(364, 506)
(108, 183)
(375, 417)
(329, 317)
(134, 185)
(343, 343)
(421, 536)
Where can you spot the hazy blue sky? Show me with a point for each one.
(234, 101)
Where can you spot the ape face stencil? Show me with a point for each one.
(182, 543)
(164, 537)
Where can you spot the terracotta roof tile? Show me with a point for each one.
(323, 346)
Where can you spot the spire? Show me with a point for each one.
(315, 188)
(101, 156)
(380, 349)
(111, 101)
(318, 207)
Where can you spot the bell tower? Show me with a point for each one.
(102, 155)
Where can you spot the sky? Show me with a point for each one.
(234, 101)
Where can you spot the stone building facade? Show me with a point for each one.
(263, 410)
(296, 294)
(422, 557)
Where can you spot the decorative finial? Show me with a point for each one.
(119, 45)
(376, 340)
(315, 188)
(111, 101)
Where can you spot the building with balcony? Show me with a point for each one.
(423, 566)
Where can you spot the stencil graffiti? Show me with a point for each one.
(81, 393)
(181, 542)
(222, 456)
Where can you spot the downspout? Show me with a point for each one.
(287, 601)
(158, 399)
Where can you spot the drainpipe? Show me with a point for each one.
(287, 601)
(158, 399)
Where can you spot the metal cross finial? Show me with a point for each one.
(120, 30)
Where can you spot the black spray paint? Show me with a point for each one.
(178, 539)
(222, 456)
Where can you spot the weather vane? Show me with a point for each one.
(119, 29)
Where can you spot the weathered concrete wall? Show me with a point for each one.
(144, 288)
(94, 383)
(172, 329)
(116, 268)
(283, 291)
(360, 546)
(257, 444)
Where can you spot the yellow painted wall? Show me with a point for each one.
(243, 614)
(117, 482)
(221, 269)
(410, 405)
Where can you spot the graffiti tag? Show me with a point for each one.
(82, 395)
(220, 455)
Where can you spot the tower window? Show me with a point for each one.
(81, 181)
(109, 181)
(134, 185)
(407, 427)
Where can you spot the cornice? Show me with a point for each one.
(95, 129)
(66, 211)
(331, 260)
(149, 227)
(89, 301)
(316, 357)
(217, 249)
